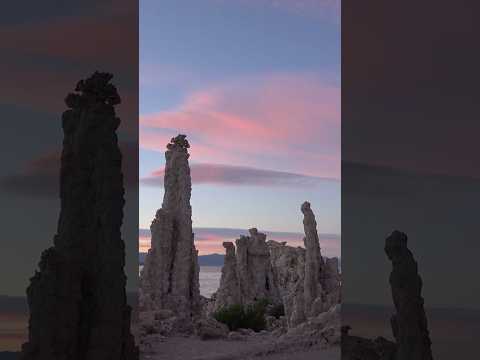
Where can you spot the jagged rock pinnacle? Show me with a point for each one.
(77, 299)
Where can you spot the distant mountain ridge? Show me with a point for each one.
(203, 260)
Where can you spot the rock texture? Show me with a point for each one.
(169, 279)
(247, 274)
(254, 270)
(409, 324)
(77, 299)
(299, 278)
(209, 328)
(313, 260)
(288, 265)
(229, 290)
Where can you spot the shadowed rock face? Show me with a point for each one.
(409, 324)
(169, 280)
(77, 298)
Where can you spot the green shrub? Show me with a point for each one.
(255, 316)
(276, 310)
(247, 317)
(232, 316)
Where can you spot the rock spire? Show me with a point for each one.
(169, 280)
(77, 299)
(313, 260)
(409, 323)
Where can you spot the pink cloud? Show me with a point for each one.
(274, 118)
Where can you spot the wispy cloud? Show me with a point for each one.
(220, 174)
(40, 177)
(266, 118)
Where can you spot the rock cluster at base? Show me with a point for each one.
(169, 279)
(77, 299)
(299, 278)
(247, 274)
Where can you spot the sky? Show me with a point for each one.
(255, 86)
(46, 49)
(410, 147)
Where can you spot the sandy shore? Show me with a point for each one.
(254, 347)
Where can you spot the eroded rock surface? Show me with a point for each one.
(299, 278)
(254, 269)
(247, 274)
(229, 290)
(77, 299)
(409, 324)
(169, 279)
(313, 260)
(288, 265)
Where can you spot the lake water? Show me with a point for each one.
(209, 278)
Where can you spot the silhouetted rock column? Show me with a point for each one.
(409, 324)
(77, 300)
(170, 277)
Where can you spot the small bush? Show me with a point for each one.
(232, 316)
(255, 316)
(249, 317)
(276, 310)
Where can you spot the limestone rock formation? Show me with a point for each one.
(247, 273)
(254, 271)
(298, 278)
(288, 265)
(169, 279)
(77, 299)
(229, 290)
(313, 259)
(308, 284)
(409, 324)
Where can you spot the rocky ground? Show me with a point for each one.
(260, 346)
(317, 338)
